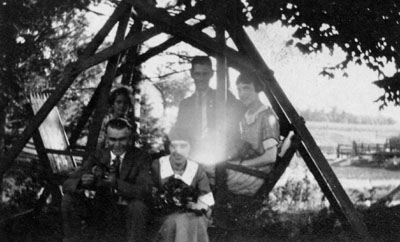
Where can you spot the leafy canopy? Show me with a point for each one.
(367, 30)
(38, 38)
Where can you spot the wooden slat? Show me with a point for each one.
(19, 144)
(67, 152)
(53, 135)
(246, 170)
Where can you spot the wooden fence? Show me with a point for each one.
(390, 148)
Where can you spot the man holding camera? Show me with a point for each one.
(119, 176)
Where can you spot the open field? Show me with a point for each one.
(329, 135)
(345, 133)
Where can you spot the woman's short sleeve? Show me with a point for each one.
(270, 126)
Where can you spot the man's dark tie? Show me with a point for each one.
(116, 165)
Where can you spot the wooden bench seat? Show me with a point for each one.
(220, 231)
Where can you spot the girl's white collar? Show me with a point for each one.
(167, 171)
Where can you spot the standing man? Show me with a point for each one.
(197, 116)
(120, 177)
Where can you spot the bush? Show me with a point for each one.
(20, 189)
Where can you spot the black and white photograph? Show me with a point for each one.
(200, 121)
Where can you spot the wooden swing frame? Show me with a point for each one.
(245, 58)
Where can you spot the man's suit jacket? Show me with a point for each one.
(134, 180)
(188, 121)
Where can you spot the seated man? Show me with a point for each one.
(183, 195)
(122, 183)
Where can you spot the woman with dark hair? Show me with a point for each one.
(260, 132)
(182, 195)
(259, 146)
(119, 104)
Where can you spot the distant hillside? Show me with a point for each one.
(338, 116)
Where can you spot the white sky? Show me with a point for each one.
(298, 74)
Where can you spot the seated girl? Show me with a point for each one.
(236, 206)
(120, 106)
(259, 133)
(182, 194)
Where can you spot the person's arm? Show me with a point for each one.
(206, 197)
(270, 134)
(82, 177)
(268, 157)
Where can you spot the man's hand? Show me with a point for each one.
(87, 179)
(97, 171)
(108, 181)
(197, 206)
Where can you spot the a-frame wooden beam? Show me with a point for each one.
(250, 60)
(161, 47)
(108, 78)
(129, 72)
(86, 113)
(98, 39)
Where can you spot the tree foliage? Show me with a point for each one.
(368, 31)
(38, 39)
(31, 31)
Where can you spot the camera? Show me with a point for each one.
(100, 172)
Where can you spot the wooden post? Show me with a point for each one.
(221, 99)
(131, 56)
(221, 93)
(87, 112)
